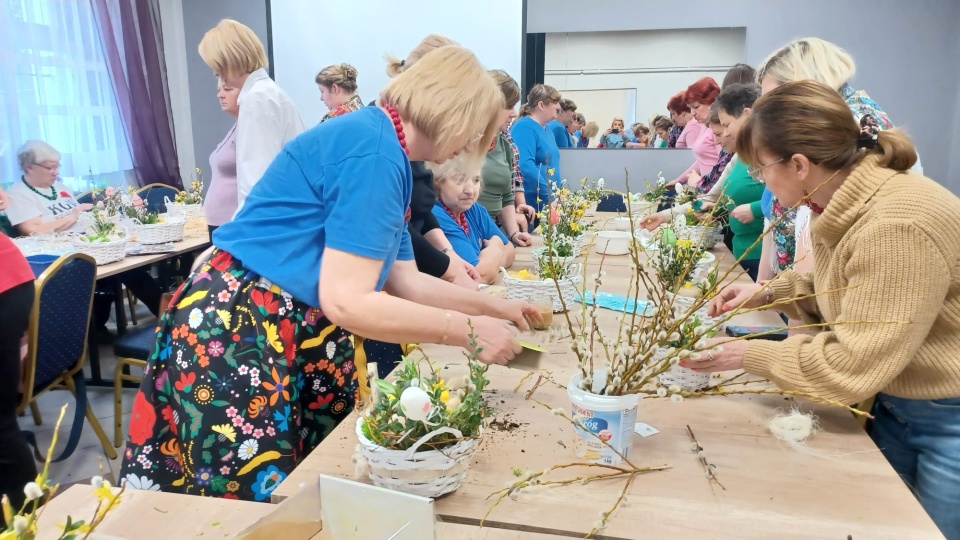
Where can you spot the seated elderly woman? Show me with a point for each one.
(469, 228)
(40, 204)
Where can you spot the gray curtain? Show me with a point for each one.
(133, 48)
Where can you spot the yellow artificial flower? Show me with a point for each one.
(685, 243)
(575, 227)
(687, 285)
(444, 396)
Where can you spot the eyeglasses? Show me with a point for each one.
(757, 172)
(55, 168)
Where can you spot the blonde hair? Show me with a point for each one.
(809, 59)
(639, 128)
(590, 130)
(508, 87)
(454, 169)
(811, 119)
(342, 75)
(451, 99)
(34, 152)
(541, 92)
(396, 66)
(615, 120)
(231, 48)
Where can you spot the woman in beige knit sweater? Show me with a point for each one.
(886, 282)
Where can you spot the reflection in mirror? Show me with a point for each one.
(630, 76)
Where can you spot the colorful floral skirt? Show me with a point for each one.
(244, 382)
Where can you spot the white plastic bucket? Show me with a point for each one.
(613, 242)
(611, 418)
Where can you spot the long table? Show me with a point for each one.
(836, 486)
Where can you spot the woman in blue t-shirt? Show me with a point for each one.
(539, 155)
(467, 225)
(254, 362)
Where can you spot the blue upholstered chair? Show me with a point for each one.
(85, 198)
(57, 336)
(153, 195)
(131, 349)
(611, 202)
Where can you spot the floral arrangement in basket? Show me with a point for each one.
(22, 524)
(418, 432)
(104, 240)
(193, 194)
(640, 359)
(110, 201)
(138, 210)
(651, 199)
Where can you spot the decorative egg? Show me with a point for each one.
(554, 216)
(668, 237)
(415, 404)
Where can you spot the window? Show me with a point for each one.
(56, 87)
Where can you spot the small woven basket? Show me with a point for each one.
(186, 210)
(687, 379)
(170, 230)
(707, 236)
(102, 252)
(428, 474)
(523, 289)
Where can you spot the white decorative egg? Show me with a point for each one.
(415, 404)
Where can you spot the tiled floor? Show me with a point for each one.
(89, 459)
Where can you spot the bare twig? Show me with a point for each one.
(707, 466)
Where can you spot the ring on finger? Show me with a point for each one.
(710, 356)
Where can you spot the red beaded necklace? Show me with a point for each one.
(395, 116)
(461, 221)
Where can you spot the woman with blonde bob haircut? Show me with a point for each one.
(298, 272)
(268, 119)
(885, 283)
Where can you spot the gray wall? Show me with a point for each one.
(905, 51)
(210, 124)
(640, 166)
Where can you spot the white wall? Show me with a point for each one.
(906, 52)
(310, 35)
(656, 63)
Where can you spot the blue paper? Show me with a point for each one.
(615, 302)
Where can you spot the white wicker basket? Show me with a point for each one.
(86, 219)
(102, 252)
(687, 379)
(170, 230)
(429, 474)
(186, 210)
(641, 208)
(541, 252)
(684, 303)
(522, 289)
(707, 236)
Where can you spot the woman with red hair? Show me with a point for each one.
(698, 97)
(684, 131)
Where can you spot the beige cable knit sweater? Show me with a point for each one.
(886, 249)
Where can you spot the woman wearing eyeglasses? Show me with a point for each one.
(39, 203)
(885, 283)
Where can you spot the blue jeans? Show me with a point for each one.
(921, 440)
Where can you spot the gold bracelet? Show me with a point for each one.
(446, 329)
(769, 292)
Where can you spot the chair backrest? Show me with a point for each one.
(153, 195)
(85, 198)
(59, 322)
(611, 202)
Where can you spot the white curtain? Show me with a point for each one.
(54, 86)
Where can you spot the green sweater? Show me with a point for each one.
(741, 188)
(497, 177)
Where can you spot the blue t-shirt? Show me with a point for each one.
(481, 225)
(766, 204)
(560, 134)
(577, 137)
(539, 156)
(344, 185)
(613, 140)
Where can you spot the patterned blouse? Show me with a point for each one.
(517, 176)
(673, 136)
(710, 179)
(350, 105)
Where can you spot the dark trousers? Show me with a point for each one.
(139, 281)
(752, 267)
(16, 459)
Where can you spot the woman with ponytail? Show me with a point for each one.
(539, 154)
(885, 284)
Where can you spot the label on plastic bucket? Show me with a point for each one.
(613, 427)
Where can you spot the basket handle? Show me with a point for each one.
(439, 431)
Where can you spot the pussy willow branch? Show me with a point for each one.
(707, 466)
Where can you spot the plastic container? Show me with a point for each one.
(621, 223)
(544, 304)
(613, 242)
(39, 263)
(611, 418)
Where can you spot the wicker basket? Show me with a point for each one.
(707, 236)
(684, 303)
(641, 208)
(102, 252)
(428, 474)
(687, 379)
(170, 230)
(522, 289)
(186, 210)
(196, 227)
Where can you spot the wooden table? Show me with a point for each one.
(838, 486)
(149, 515)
